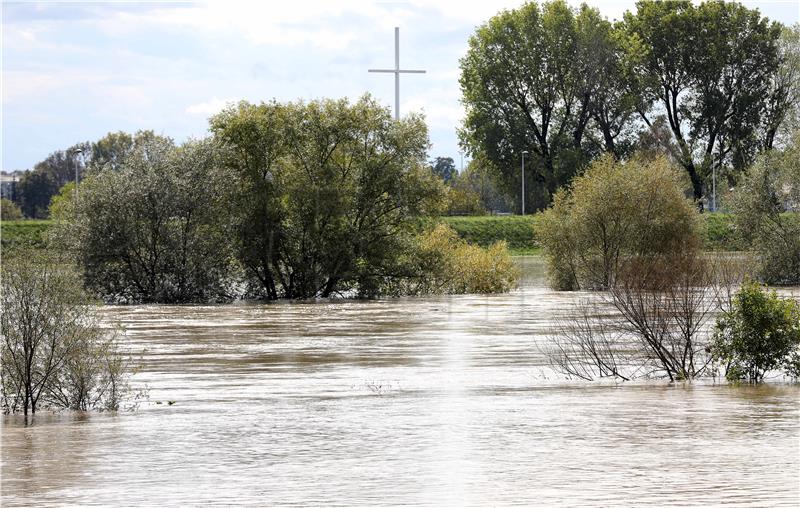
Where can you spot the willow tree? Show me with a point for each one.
(326, 194)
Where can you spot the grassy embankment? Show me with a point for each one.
(19, 232)
(718, 232)
(517, 231)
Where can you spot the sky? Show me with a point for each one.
(74, 71)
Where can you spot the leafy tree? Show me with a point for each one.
(444, 168)
(766, 205)
(155, 229)
(54, 351)
(38, 186)
(782, 106)
(9, 210)
(328, 193)
(708, 68)
(534, 79)
(759, 334)
(613, 213)
(111, 150)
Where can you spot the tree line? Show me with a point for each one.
(283, 200)
(710, 85)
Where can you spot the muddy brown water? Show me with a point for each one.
(422, 401)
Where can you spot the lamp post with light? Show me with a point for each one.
(524, 152)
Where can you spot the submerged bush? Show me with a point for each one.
(760, 333)
(615, 211)
(441, 262)
(55, 353)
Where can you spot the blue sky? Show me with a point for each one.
(73, 71)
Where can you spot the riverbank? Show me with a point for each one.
(718, 229)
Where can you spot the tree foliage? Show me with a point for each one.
(55, 353)
(767, 206)
(154, 230)
(709, 84)
(444, 168)
(9, 210)
(546, 79)
(707, 68)
(328, 193)
(615, 211)
(760, 333)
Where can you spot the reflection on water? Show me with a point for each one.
(442, 400)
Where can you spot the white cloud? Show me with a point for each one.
(209, 107)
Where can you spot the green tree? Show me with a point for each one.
(766, 205)
(759, 334)
(328, 193)
(154, 230)
(611, 214)
(534, 79)
(111, 150)
(444, 168)
(54, 351)
(38, 186)
(782, 106)
(9, 210)
(708, 69)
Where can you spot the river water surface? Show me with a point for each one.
(426, 401)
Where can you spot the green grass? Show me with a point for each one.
(485, 230)
(16, 233)
(718, 230)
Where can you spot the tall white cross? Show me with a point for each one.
(397, 72)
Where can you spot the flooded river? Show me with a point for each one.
(425, 401)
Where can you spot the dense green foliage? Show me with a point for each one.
(707, 84)
(441, 262)
(9, 210)
(770, 190)
(328, 194)
(55, 353)
(613, 212)
(154, 230)
(760, 333)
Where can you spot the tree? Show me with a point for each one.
(154, 230)
(782, 105)
(54, 351)
(759, 334)
(9, 210)
(535, 79)
(612, 213)
(110, 151)
(444, 168)
(766, 205)
(37, 186)
(708, 69)
(328, 193)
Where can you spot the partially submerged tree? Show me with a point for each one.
(759, 334)
(329, 194)
(611, 214)
(154, 230)
(55, 352)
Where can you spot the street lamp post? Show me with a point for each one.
(523, 181)
(713, 188)
(76, 152)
